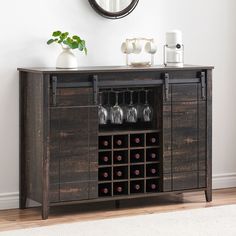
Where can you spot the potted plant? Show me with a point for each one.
(67, 59)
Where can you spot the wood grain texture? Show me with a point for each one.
(184, 92)
(22, 154)
(209, 136)
(184, 138)
(45, 119)
(33, 125)
(105, 69)
(167, 144)
(74, 97)
(185, 180)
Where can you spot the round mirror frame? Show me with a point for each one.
(113, 15)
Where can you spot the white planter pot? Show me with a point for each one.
(67, 60)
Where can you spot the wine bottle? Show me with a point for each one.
(105, 158)
(119, 142)
(105, 175)
(153, 155)
(119, 173)
(137, 156)
(137, 140)
(105, 143)
(137, 187)
(119, 158)
(104, 190)
(153, 140)
(153, 186)
(153, 171)
(119, 189)
(136, 172)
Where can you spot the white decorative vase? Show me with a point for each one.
(67, 59)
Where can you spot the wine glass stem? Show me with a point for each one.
(146, 97)
(131, 97)
(100, 99)
(117, 99)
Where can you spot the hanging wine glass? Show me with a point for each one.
(102, 111)
(131, 113)
(116, 113)
(139, 105)
(147, 109)
(124, 104)
(108, 104)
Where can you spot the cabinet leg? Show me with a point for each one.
(117, 204)
(23, 191)
(208, 194)
(45, 212)
(22, 202)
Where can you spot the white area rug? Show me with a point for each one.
(215, 221)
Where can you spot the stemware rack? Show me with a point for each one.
(129, 163)
(138, 97)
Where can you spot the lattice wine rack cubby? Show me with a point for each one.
(129, 163)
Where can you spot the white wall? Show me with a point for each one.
(209, 35)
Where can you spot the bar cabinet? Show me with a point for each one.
(71, 153)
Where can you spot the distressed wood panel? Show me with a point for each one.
(202, 118)
(184, 137)
(73, 128)
(184, 92)
(33, 118)
(209, 136)
(93, 142)
(74, 191)
(202, 179)
(167, 182)
(167, 139)
(74, 97)
(54, 194)
(74, 169)
(74, 147)
(185, 180)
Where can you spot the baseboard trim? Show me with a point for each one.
(224, 181)
(11, 200)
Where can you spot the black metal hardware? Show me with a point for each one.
(95, 89)
(203, 84)
(129, 83)
(54, 90)
(166, 86)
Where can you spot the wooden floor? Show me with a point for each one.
(17, 219)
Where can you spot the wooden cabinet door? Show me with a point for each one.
(184, 137)
(74, 148)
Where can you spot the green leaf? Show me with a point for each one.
(80, 47)
(77, 38)
(56, 33)
(74, 45)
(50, 41)
(64, 35)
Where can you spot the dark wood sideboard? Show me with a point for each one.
(67, 157)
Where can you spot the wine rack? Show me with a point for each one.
(129, 163)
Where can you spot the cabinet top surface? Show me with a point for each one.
(112, 69)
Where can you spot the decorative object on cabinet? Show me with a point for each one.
(66, 156)
(113, 9)
(67, 59)
(135, 46)
(174, 49)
